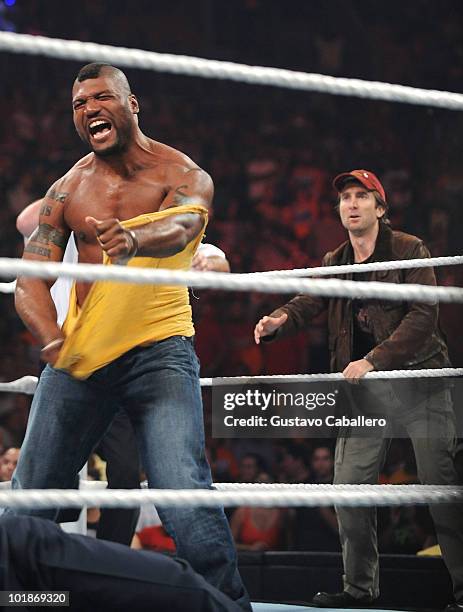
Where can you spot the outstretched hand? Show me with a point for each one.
(268, 325)
(117, 242)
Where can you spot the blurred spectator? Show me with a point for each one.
(8, 462)
(259, 528)
(294, 465)
(316, 529)
(222, 459)
(251, 465)
(322, 465)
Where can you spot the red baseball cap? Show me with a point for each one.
(367, 178)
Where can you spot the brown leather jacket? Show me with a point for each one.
(407, 334)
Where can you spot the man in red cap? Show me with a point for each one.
(366, 335)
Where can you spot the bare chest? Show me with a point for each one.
(108, 198)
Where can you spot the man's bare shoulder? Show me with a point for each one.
(176, 164)
(170, 156)
(84, 162)
(65, 185)
(80, 168)
(184, 180)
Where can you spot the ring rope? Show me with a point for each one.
(233, 282)
(374, 266)
(8, 287)
(101, 485)
(329, 270)
(28, 384)
(258, 486)
(311, 495)
(214, 69)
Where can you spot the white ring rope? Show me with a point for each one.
(330, 270)
(258, 486)
(375, 266)
(213, 69)
(311, 495)
(28, 384)
(233, 282)
(8, 287)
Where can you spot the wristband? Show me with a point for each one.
(53, 344)
(134, 250)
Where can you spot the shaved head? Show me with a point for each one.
(95, 70)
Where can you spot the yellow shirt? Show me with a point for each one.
(116, 317)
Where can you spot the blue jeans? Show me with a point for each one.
(158, 386)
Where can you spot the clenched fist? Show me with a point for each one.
(268, 325)
(117, 242)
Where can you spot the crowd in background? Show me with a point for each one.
(272, 154)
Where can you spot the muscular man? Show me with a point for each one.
(365, 335)
(37, 555)
(118, 446)
(136, 202)
(208, 257)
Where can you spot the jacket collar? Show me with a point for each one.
(382, 252)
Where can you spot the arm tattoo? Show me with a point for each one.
(30, 248)
(45, 211)
(58, 196)
(47, 234)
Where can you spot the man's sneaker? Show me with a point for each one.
(343, 600)
(454, 607)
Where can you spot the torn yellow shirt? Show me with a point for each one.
(116, 317)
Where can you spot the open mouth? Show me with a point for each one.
(99, 129)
